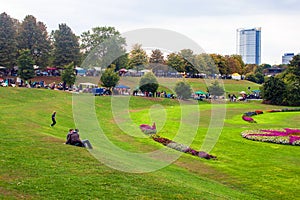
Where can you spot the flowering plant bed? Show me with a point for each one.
(282, 136)
(182, 148)
(285, 110)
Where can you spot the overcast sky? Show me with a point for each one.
(210, 23)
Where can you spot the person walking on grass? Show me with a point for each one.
(53, 119)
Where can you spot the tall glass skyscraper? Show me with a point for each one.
(249, 45)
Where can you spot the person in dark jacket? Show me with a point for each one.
(74, 139)
(53, 119)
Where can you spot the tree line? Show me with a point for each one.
(62, 47)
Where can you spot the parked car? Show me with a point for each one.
(98, 91)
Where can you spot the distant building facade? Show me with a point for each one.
(249, 45)
(287, 57)
(273, 71)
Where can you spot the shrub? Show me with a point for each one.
(148, 83)
(183, 90)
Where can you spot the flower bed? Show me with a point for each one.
(182, 148)
(285, 110)
(283, 136)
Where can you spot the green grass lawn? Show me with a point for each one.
(35, 164)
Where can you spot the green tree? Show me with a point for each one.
(91, 39)
(220, 62)
(215, 89)
(43, 51)
(156, 57)
(176, 62)
(69, 74)
(294, 67)
(251, 77)
(157, 61)
(256, 78)
(262, 67)
(25, 63)
(137, 57)
(66, 46)
(148, 83)
(33, 35)
(108, 54)
(189, 61)
(8, 41)
(259, 78)
(250, 68)
(109, 78)
(183, 90)
(293, 94)
(206, 64)
(274, 91)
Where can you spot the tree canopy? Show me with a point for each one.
(69, 75)
(109, 78)
(8, 41)
(25, 63)
(66, 46)
(284, 89)
(33, 35)
(138, 57)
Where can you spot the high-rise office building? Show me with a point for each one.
(287, 57)
(249, 45)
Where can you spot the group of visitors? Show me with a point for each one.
(72, 136)
(74, 139)
(232, 97)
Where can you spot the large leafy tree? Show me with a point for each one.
(233, 64)
(156, 57)
(205, 64)
(220, 62)
(104, 47)
(176, 61)
(43, 51)
(148, 83)
(274, 91)
(109, 78)
(284, 89)
(137, 57)
(121, 62)
(183, 90)
(69, 74)
(294, 67)
(189, 61)
(66, 46)
(93, 38)
(33, 35)
(8, 41)
(157, 61)
(25, 63)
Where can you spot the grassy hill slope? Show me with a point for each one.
(35, 164)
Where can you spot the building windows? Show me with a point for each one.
(287, 57)
(249, 45)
